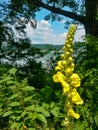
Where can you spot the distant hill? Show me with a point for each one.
(47, 46)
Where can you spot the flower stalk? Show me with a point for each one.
(69, 80)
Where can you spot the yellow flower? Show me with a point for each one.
(75, 80)
(66, 86)
(68, 71)
(62, 56)
(64, 62)
(72, 64)
(71, 39)
(68, 45)
(72, 67)
(66, 122)
(67, 53)
(70, 59)
(76, 97)
(71, 50)
(59, 63)
(57, 68)
(59, 77)
(73, 114)
(56, 78)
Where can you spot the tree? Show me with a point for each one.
(82, 11)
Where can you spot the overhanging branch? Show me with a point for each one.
(59, 11)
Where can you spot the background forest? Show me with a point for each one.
(29, 99)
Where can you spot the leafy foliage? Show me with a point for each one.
(24, 106)
(87, 67)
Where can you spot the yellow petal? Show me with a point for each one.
(57, 68)
(76, 97)
(68, 71)
(73, 114)
(64, 62)
(62, 56)
(59, 63)
(66, 86)
(75, 83)
(75, 80)
(55, 78)
(67, 53)
(70, 59)
(74, 76)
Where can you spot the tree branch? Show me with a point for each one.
(69, 14)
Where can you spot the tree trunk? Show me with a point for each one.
(91, 23)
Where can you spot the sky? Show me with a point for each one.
(48, 32)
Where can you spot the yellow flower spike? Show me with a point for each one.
(68, 79)
(75, 80)
(71, 113)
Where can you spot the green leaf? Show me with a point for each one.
(31, 129)
(54, 112)
(43, 111)
(1, 104)
(27, 99)
(52, 104)
(46, 113)
(42, 118)
(30, 108)
(96, 120)
(12, 71)
(14, 96)
(14, 104)
(28, 88)
(18, 111)
(10, 82)
(6, 79)
(39, 109)
(7, 113)
(34, 115)
(1, 112)
(15, 126)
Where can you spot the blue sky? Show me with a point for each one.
(49, 32)
(58, 27)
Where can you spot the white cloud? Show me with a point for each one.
(44, 34)
(80, 33)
